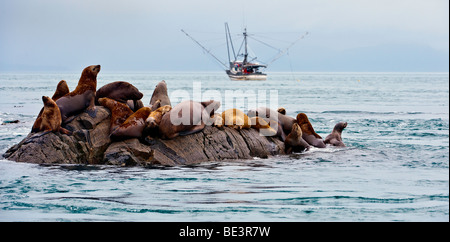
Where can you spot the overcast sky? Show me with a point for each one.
(135, 35)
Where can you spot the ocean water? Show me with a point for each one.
(395, 166)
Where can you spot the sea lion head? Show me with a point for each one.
(296, 130)
(252, 113)
(91, 71)
(61, 90)
(48, 102)
(302, 118)
(211, 106)
(282, 110)
(340, 126)
(130, 91)
(155, 117)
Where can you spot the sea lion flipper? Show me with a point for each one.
(65, 131)
(92, 112)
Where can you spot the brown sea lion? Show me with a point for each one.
(236, 118)
(51, 117)
(119, 91)
(134, 125)
(119, 112)
(335, 138)
(309, 135)
(262, 126)
(294, 141)
(83, 97)
(285, 121)
(61, 90)
(185, 118)
(154, 119)
(160, 93)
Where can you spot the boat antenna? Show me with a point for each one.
(287, 49)
(207, 51)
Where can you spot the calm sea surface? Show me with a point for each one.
(395, 166)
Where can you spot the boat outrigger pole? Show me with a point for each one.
(207, 51)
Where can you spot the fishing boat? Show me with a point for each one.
(243, 67)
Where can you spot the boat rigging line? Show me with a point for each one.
(207, 51)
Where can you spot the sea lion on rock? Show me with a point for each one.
(160, 93)
(262, 126)
(154, 119)
(61, 90)
(294, 141)
(51, 117)
(285, 121)
(309, 135)
(185, 118)
(119, 112)
(134, 125)
(83, 97)
(236, 118)
(119, 91)
(335, 138)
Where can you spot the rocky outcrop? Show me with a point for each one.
(90, 144)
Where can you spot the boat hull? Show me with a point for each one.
(247, 77)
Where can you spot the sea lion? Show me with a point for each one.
(309, 135)
(154, 119)
(61, 90)
(285, 121)
(119, 112)
(262, 126)
(294, 141)
(83, 97)
(119, 91)
(160, 93)
(236, 118)
(335, 138)
(134, 125)
(51, 117)
(185, 118)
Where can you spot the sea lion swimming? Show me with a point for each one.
(294, 141)
(160, 93)
(335, 138)
(83, 97)
(61, 90)
(119, 112)
(309, 135)
(185, 118)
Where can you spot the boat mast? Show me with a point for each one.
(245, 41)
